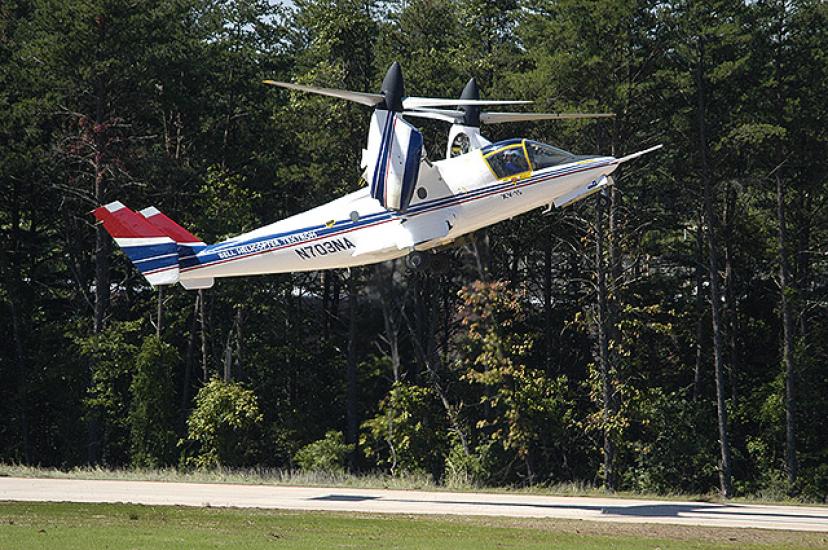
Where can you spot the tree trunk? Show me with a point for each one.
(188, 364)
(205, 375)
(725, 467)
(482, 254)
(326, 304)
(228, 357)
(239, 323)
(730, 294)
(22, 382)
(351, 374)
(788, 336)
(603, 345)
(385, 285)
(102, 252)
(16, 297)
(547, 304)
(699, 308)
(803, 257)
(160, 312)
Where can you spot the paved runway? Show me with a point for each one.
(798, 518)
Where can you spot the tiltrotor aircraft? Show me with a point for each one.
(410, 207)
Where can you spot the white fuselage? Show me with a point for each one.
(453, 197)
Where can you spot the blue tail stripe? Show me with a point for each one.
(153, 256)
(143, 252)
(152, 265)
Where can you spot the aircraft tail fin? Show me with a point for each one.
(149, 248)
(170, 228)
(188, 244)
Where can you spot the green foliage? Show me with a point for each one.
(162, 104)
(152, 412)
(520, 403)
(407, 432)
(111, 355)
(328, 454)
(223, 428)
(674, 452)
(226, 204)
(470, 468)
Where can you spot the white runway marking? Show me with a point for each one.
(797, 518)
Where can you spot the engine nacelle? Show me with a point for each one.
(392, 159)
(462, 139)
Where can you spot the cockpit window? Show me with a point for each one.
(544, 156)
(508, 161)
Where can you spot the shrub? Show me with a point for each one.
(224, 427)
(152, 407)
(327, 454)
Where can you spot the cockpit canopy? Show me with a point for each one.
(516, 157)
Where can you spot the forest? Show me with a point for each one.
(667, 336)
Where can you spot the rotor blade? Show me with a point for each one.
(369, 100)
(639, 153)
(445, 115)
(418, 102)
(497, 118)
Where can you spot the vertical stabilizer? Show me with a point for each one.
(151, 251)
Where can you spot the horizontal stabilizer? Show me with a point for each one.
(198, 284)
(153, 252)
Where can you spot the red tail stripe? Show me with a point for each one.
(124, 223)
(171, 229)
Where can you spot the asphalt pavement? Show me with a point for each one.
(796, 518)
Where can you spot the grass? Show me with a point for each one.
(92, 526)
(421, 482)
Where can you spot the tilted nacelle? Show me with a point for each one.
(391, 163)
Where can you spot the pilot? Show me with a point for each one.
(513, 164)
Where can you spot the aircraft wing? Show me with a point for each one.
(403, 233)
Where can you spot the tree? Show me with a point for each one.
(113, 352)
(406, 431)
(519, 403)
(224, 427)
(152, 410)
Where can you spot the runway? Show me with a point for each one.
(796, 518)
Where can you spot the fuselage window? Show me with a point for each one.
(508, 162)
(544, 156)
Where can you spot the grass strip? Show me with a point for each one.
(93, 526)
